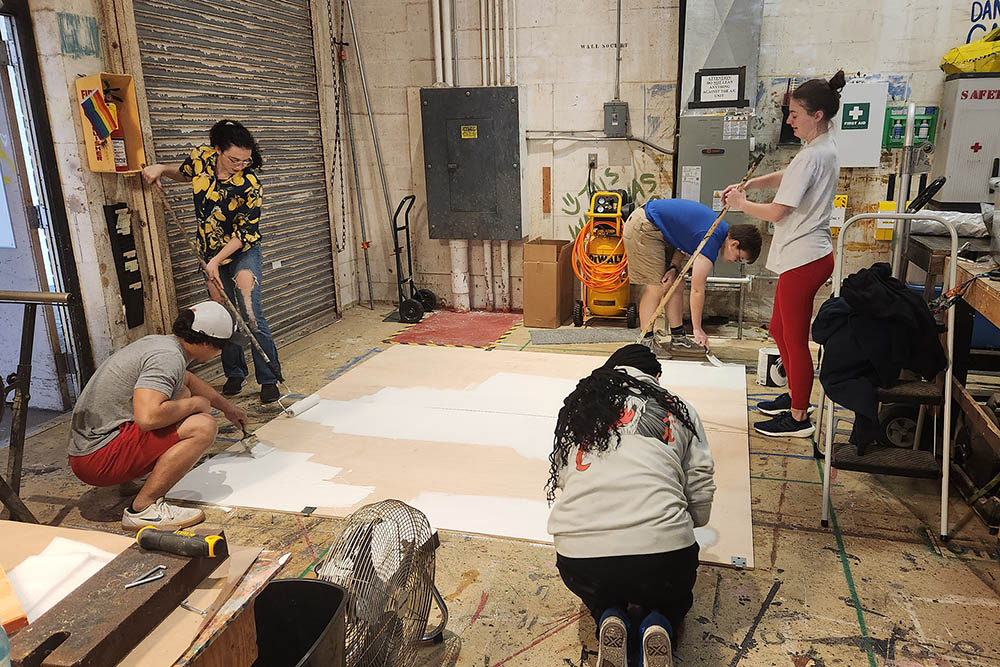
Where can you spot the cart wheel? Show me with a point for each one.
(578, 314)
(632, 316)
(898, 425)
(410, 311)
(427, 299)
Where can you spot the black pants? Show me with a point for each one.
(662, 581)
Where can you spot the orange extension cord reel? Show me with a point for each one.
(601, 265)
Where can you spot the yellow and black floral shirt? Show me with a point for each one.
(224, 208)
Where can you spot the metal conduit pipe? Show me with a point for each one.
(482, 39)
(504, 9)
(436, 36)
(445, 28)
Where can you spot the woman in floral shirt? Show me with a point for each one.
(227, 199)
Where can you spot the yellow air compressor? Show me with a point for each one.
(600, 263)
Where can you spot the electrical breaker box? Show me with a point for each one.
(616, 119)
(472, 162)
(714, 152)
(968, 149)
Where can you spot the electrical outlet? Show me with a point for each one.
(591, 160)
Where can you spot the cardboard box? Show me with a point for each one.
(549, 283)
(99, 154)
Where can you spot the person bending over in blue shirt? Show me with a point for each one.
(657, 236)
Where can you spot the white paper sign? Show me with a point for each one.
(720, 87)
(691, 183)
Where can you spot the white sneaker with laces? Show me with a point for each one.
(162, 516)
(656, 648)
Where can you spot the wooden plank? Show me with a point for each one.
(546, 189)
(149, 226)
(978, 421)
(983, 295)
(235, 647)
(101, 621)
(473, 458)
(12, 614)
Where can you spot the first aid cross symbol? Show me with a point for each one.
(856, 113)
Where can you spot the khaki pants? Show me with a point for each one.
(648, 252)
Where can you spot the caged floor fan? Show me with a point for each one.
(384, 558)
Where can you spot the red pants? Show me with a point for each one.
(790, 319)
(132, 454)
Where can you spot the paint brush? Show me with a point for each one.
(248, 441)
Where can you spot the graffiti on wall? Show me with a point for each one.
(642, 187)
(79, 36)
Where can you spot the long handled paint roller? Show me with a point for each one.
(679, 279)
(297, 408)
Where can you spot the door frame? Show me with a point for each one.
(49, 171)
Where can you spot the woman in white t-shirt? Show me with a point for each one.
(802, 248)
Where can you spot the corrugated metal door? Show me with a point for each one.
(252, 61)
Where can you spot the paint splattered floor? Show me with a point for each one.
(877, 588)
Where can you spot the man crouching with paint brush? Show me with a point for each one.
(144, 413)
(636, 478)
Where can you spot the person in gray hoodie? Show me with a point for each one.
(635, 478)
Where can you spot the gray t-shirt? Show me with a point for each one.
(808, 187)
(152, 362)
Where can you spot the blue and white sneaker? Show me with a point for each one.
(785, 426)
(612, 641)
(779, 404)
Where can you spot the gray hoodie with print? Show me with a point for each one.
(647, 495)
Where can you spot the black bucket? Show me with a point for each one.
(300, 623)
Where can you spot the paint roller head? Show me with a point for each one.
(303, 405)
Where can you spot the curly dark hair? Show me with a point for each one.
(182, 329)
(590, 414)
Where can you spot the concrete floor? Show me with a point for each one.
(876, 588)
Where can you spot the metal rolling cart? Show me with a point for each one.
(420, 301)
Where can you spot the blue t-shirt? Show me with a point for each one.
(683, 224)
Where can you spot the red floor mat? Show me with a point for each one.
(477, 329)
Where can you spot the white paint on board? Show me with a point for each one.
(516, 517)
(706, 536)
(271, 479)
(507, 410)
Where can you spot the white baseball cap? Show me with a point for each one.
(212, 319)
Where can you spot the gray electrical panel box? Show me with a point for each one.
(472, 163)
(714, 152)
(616, 119)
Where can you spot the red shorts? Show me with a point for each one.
(131, 454)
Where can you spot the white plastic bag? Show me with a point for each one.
(966, 224)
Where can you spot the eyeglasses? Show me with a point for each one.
(237, 163)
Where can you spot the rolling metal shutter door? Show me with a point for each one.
(251, 61)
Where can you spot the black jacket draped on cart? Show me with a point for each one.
(873, 330)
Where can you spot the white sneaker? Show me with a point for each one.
(163, 516)
(612, 643)
(656, 648)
